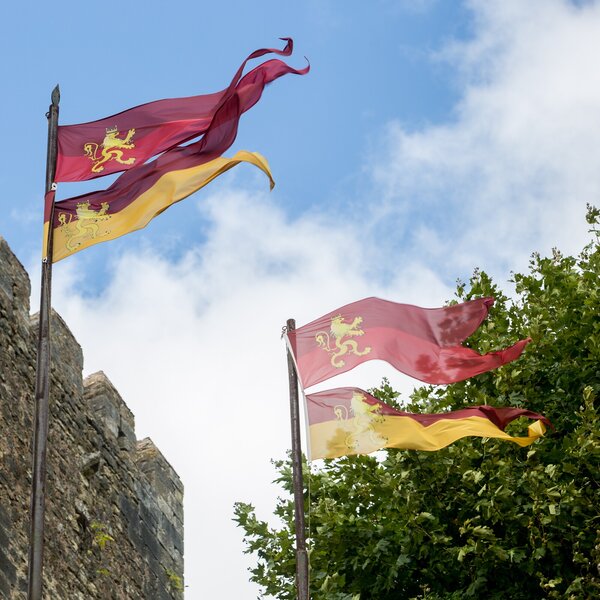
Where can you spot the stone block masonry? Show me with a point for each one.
(114, 505)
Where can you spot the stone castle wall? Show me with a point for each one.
(114, 505)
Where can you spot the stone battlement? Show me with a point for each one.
(114, 508)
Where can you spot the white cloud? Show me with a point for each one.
(512, 173)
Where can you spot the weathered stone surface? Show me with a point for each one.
(114, 510)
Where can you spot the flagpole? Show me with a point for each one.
(42, 379)
(301, 554)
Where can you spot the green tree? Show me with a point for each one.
(481, 518)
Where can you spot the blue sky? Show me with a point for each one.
(429, 138)
(371, 62)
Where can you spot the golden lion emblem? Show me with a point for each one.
(86, 224)
(360, 423)
(340, 330)
(111, 149)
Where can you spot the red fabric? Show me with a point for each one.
(219, 136)
(48, 203)
(163, 124)
(322, 406)
(424, 343)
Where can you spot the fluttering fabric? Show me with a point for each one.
(126, 140)
(347, 421)
(425, 343)
(146, 189)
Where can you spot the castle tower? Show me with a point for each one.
(114, 505)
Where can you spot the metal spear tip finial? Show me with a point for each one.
(56, 95)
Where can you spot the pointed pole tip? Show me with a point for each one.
(56, 95)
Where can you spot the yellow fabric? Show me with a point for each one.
(45, 240)
(95, 227)
(331, 439)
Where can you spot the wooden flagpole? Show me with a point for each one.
(42, 380)
(301, 554)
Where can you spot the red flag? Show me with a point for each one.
(141, 193)
(348, 421)
(424, 343)
(81, 222)
(127, 139)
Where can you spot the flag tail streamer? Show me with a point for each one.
(347, 421)
(126, 140)
(87, 220)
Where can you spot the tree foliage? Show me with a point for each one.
(481, 518)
